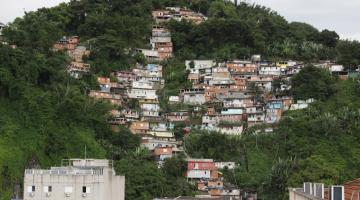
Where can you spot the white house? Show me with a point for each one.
(139, 93)
(174, 99)
(150, 106)
(151, 144)
(151, 55)
(193, 96)
(142, 84)
(225, 165)
(255, 114)
(336, 68)
(200, 64)
(209, 121)
(270, 71)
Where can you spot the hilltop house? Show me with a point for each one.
(66, 43)
(78, 53)
(76, 69)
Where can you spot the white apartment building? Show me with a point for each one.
(76, 179)
(138, 93)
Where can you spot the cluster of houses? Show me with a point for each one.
(338, 70)
(178, 14)
(76, 52)
(134, 95)
(161, 46)
(206, 174)
(237, 93)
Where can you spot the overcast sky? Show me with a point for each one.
(343, 16)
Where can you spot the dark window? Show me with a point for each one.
(84, 189)
(33, 188)
(49, 188)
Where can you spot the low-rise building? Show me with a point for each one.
(264, 83)
(151, 143)
(150, 55)
(66, 43)
(201, 169)
(125, 76)
(255, 115)
(199, 64)
(193, 96)
(141, 93)
(139, 127)
(98, 181)
(270, 71)
(114, 99)
(240, 67)
(181, 116)
(225, 165)
(77, 69)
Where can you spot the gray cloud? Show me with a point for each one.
(341, 16)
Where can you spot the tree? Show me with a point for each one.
(329, 38)
(312, 82)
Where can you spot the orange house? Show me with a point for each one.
(241, 68)
(139, 127)
(212, 91)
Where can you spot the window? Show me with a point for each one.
(47, 189)
(31, 189)
(85, 189)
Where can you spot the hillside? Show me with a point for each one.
(47, 116)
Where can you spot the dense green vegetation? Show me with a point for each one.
(46, 116)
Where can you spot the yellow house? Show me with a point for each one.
(282, 64)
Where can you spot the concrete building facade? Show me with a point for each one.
(76, 179)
